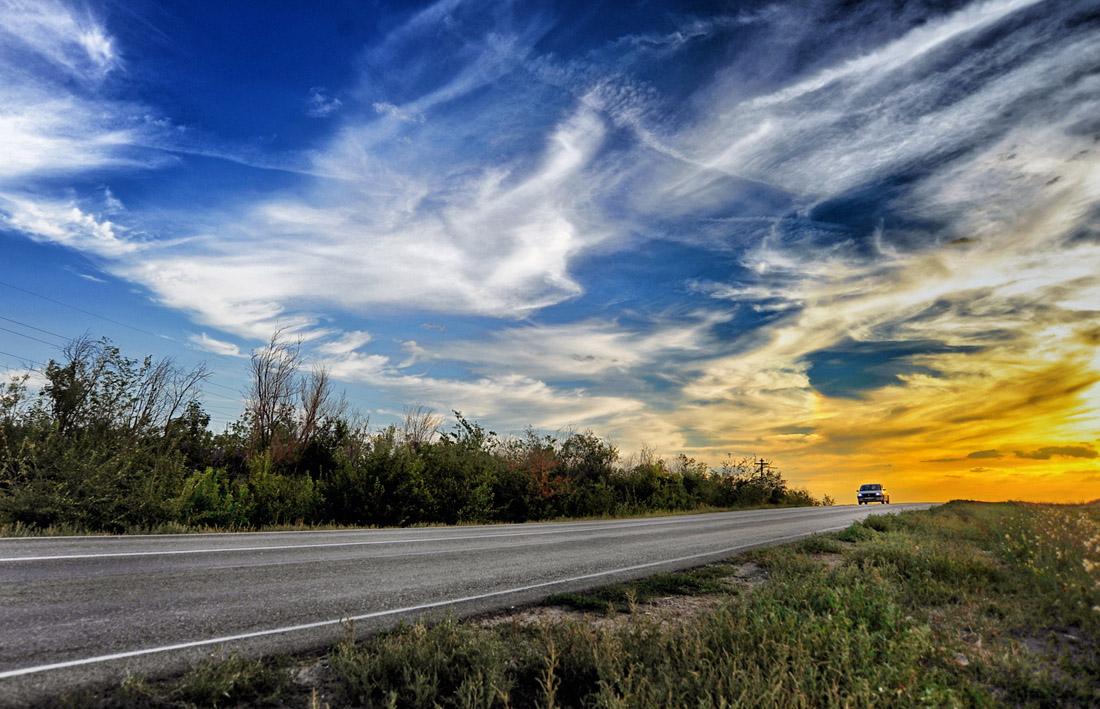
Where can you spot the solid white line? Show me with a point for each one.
(280, 547)
(378, 614)
(373, 542)
(379, 530)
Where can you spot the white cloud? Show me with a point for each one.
(875, 122)
(32, 379)
(346, 343)
(76, 44)
(219, 347)
(491, 247)
(914, 44)
(507, 397)
(585, 349)
(388, 109)
(46, 133)
(64, 223)
(320, 104)
(48, 123)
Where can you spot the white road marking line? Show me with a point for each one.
(373, 542)
(378, 614)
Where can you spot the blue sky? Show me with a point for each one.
(861, 239)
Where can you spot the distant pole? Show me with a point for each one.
(761, 473)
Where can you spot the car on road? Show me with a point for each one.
(872, 492)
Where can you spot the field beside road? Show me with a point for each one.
(966, 604)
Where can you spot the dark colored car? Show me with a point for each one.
(872, 492)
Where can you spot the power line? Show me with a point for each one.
(222, 386)
(32, 327)
(235, 360)
(82, 310)
(97, 315)
(51, 344)
(24, 359)
(223, 398)
(63, 337)
(94, 315)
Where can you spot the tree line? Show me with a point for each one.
(114, 444)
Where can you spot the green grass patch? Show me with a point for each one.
(820, 544)
(624, 597)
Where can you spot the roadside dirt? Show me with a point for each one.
(743, 578)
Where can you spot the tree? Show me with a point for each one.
(420, 426)
(98, 388)
(288, 411)
(270, 405)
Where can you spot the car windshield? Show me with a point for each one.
(871, 487)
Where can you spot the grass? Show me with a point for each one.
(968, 604)
(217, 681)
(624, 597)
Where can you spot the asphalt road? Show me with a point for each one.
(77, 611)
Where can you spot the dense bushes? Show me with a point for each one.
(113, 444)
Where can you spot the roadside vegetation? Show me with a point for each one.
(965, 605)
(110, 444)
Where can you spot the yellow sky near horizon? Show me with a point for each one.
(1002, 403)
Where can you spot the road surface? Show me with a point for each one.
(77, 611)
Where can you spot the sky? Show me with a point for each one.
(859, 239)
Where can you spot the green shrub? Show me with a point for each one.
(881, 523)
(211, 498)
(820, 544)
(281, 499)
(856, 532)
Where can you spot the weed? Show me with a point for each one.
(231, 681)
(625, 597)
(448, 664)
(856, 532)
(820, 544)
(578, 601)
(881, 523)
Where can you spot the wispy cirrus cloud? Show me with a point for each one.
(69, 41)
(617, 355)
(490, 246)
(53, 59)
(973, 240)
(54, 123)
(320, 104)
(206, 343)
(66, 224)
(346, 343)
(516, 398)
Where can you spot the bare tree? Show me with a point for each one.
(420, 426)
(318, 406)
(275, 388)
(163, 389)
(288, 410)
